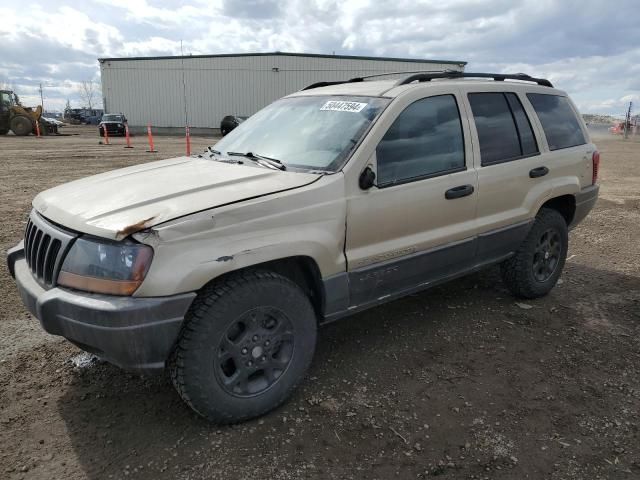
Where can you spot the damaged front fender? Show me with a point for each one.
(134, 228)
(192, 250)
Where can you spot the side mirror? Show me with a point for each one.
(367, 179)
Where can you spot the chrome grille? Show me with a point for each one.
(44, 248)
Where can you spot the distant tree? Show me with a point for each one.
(88, 91)
(67, 107)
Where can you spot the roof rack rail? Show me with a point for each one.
(498, 77)
(384, 74)
(362, 79)
(327, 84)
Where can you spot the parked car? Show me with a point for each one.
(332, 200)
(82, 116)
(114, 123)
(95, 120)
(618, 128)
(230, 122)
(54, 121)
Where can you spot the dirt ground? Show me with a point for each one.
(460, 381)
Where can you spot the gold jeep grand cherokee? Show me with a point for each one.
(337, 198)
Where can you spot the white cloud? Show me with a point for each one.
(598, 84)
(584, 46)
(140, 11)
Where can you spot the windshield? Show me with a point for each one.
(316, 133)
(112, 118)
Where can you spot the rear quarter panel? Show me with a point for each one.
(570, 169)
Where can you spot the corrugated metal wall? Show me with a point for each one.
(151, 90)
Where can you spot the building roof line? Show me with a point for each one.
(286, 54)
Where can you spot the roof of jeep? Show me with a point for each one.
(388, 88)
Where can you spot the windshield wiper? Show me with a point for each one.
(213, 152)
(260, 159)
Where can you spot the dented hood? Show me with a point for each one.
(117, 203)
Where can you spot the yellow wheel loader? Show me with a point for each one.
(21, 120)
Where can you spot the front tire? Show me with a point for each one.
(246, 344)
(535, 268)
(21, 125)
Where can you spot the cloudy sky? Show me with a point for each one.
(591, 48)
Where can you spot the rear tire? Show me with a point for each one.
(21, 125)
(535, 268)
(245, 345)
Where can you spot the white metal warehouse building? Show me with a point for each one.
(153, 89)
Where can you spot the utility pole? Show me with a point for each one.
(41, 97)
(184, 88)
(627, 121)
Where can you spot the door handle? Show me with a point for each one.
(457, 192)
(538, 172)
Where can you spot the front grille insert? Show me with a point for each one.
(44, 248)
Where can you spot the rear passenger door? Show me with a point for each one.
(512, 174)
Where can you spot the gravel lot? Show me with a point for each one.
(460, 381)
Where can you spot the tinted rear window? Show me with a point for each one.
(559, 121)
(503, 128)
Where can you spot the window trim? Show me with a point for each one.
(515, 121)
(506, 160)
(426, 176)
(575, 113)
(515, 124)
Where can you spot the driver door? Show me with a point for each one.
(417, 224)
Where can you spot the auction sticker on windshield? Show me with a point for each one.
(342, 106)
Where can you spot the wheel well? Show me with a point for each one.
(565, 205)
(301, 270)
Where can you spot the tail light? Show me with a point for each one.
(596, 166)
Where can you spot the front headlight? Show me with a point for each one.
(115, 268)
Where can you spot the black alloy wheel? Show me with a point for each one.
(547, 255)
(535, 267)
(246, 343)
(254, 352)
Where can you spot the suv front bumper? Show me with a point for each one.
(130, 332)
